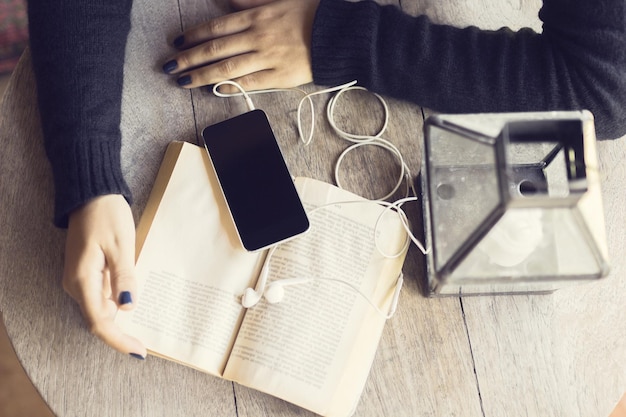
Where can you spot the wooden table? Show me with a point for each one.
(550, 355)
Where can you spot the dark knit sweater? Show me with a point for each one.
(77, 49)
(578, 62)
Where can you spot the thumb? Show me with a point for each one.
(248, 4)
(124, 287)
(121, 266)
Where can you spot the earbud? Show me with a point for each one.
(250, 298)
(274, 293)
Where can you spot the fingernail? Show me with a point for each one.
(125, 298)
(178, 42)
(137, 356)
(170, 66)
(184, 80)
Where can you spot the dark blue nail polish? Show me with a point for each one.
(137, 356)
(179, 41)
(184, 80)
(170, 66)
(125, 298)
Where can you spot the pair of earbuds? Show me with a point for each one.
(273, 293)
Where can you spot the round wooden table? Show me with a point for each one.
(540, 355)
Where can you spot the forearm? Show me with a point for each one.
(576, 63)
(78, 51)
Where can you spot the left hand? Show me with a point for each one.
(99, 270)
(266, 46)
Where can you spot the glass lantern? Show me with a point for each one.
(511, 203)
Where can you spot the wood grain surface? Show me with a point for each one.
(551, 355)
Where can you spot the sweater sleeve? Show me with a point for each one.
(576, 63)
(78, 49)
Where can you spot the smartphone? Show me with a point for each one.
(255, 181)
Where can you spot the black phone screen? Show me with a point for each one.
(255, 180)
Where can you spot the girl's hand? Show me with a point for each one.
(267, 45)
(99, 267)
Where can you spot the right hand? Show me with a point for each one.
(99, 267)
(267, 44)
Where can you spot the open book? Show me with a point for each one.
(315, 347)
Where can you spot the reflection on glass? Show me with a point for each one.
(515, 211)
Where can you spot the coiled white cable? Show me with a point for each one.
(308, 98)
(367, 140)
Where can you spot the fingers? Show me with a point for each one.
(250, 72)
(229, 69)
(210, 52)
(89, 284)
(99, 313)
(222, 59)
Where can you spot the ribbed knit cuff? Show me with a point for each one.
(343, 36)
(90, 169)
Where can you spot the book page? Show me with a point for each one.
(315, 348)
(191, 269)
